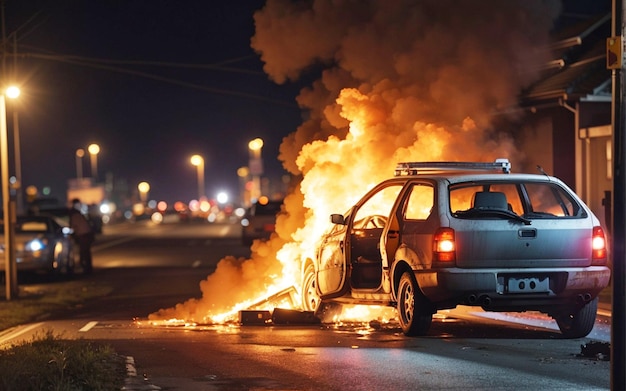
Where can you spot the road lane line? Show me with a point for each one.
(112, 243)
(88, 327)
(18, 332)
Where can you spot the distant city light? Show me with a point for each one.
(222, 197)
(156, 218)
(105, 208)
(162, 206)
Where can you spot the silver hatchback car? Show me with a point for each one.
(442, 234)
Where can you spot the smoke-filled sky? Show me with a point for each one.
(154, 82)
(387, 81)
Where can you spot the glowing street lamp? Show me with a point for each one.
(80, 153)
(256, 166)
(94, 149)
(198, 161)
(144, 188)
(8, 205)
(13, 92)
(242, 173)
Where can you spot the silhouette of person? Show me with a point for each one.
(83, 235)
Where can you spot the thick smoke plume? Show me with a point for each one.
(399, 80)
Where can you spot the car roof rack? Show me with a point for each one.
(414, 168)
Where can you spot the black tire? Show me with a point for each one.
(310, 299)
(414, 310)
(580, 323)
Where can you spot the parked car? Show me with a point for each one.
(442, 234)
(43, 243)
(260, 220)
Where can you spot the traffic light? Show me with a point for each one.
(614, 52)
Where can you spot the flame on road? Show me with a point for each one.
(399, 81)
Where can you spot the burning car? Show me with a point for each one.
(442, 234)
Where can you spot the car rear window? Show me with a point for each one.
(527, 199)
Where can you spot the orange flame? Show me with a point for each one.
(411, 83)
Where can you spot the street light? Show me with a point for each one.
(13, 92)
(144, 188)
(256, 166)
(242, 173)
(79, 163)
(198, 161)
(8, 205)
(94, 149)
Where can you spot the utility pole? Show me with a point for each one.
(618, 311)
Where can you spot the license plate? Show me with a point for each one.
(528, 285)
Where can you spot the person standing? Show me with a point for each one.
(83, 235)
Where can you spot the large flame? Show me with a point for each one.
(400, 81)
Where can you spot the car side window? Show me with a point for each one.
(420, 202)
(379, 204)
(551, 200)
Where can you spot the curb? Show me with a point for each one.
(134, 382)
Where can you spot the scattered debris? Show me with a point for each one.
(254, 317)
(599, 350)
(287, 296)
(294, 317)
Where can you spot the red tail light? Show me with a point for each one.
(598, 247)
(444, 246)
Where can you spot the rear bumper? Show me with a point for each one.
(500, 288)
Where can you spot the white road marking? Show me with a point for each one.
(18, 332)
(88, 327)
(112, 243)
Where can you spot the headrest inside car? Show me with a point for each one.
(490, 200)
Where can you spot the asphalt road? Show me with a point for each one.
(152, 267)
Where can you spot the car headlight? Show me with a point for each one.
(35, 245)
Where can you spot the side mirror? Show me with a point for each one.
(337, 219)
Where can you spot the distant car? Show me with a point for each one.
(442, 234)
(260, 221)
(42, 244)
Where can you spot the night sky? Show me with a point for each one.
(102, 72)
(154, 82)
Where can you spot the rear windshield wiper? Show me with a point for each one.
(477, 212)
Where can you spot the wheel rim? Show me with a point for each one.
(408, 303)
(310, 298)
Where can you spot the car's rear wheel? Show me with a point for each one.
(414, 310)
(580, 323)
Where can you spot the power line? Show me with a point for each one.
(93, 63)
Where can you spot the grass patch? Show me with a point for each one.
(49, 362)
(38, 301)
